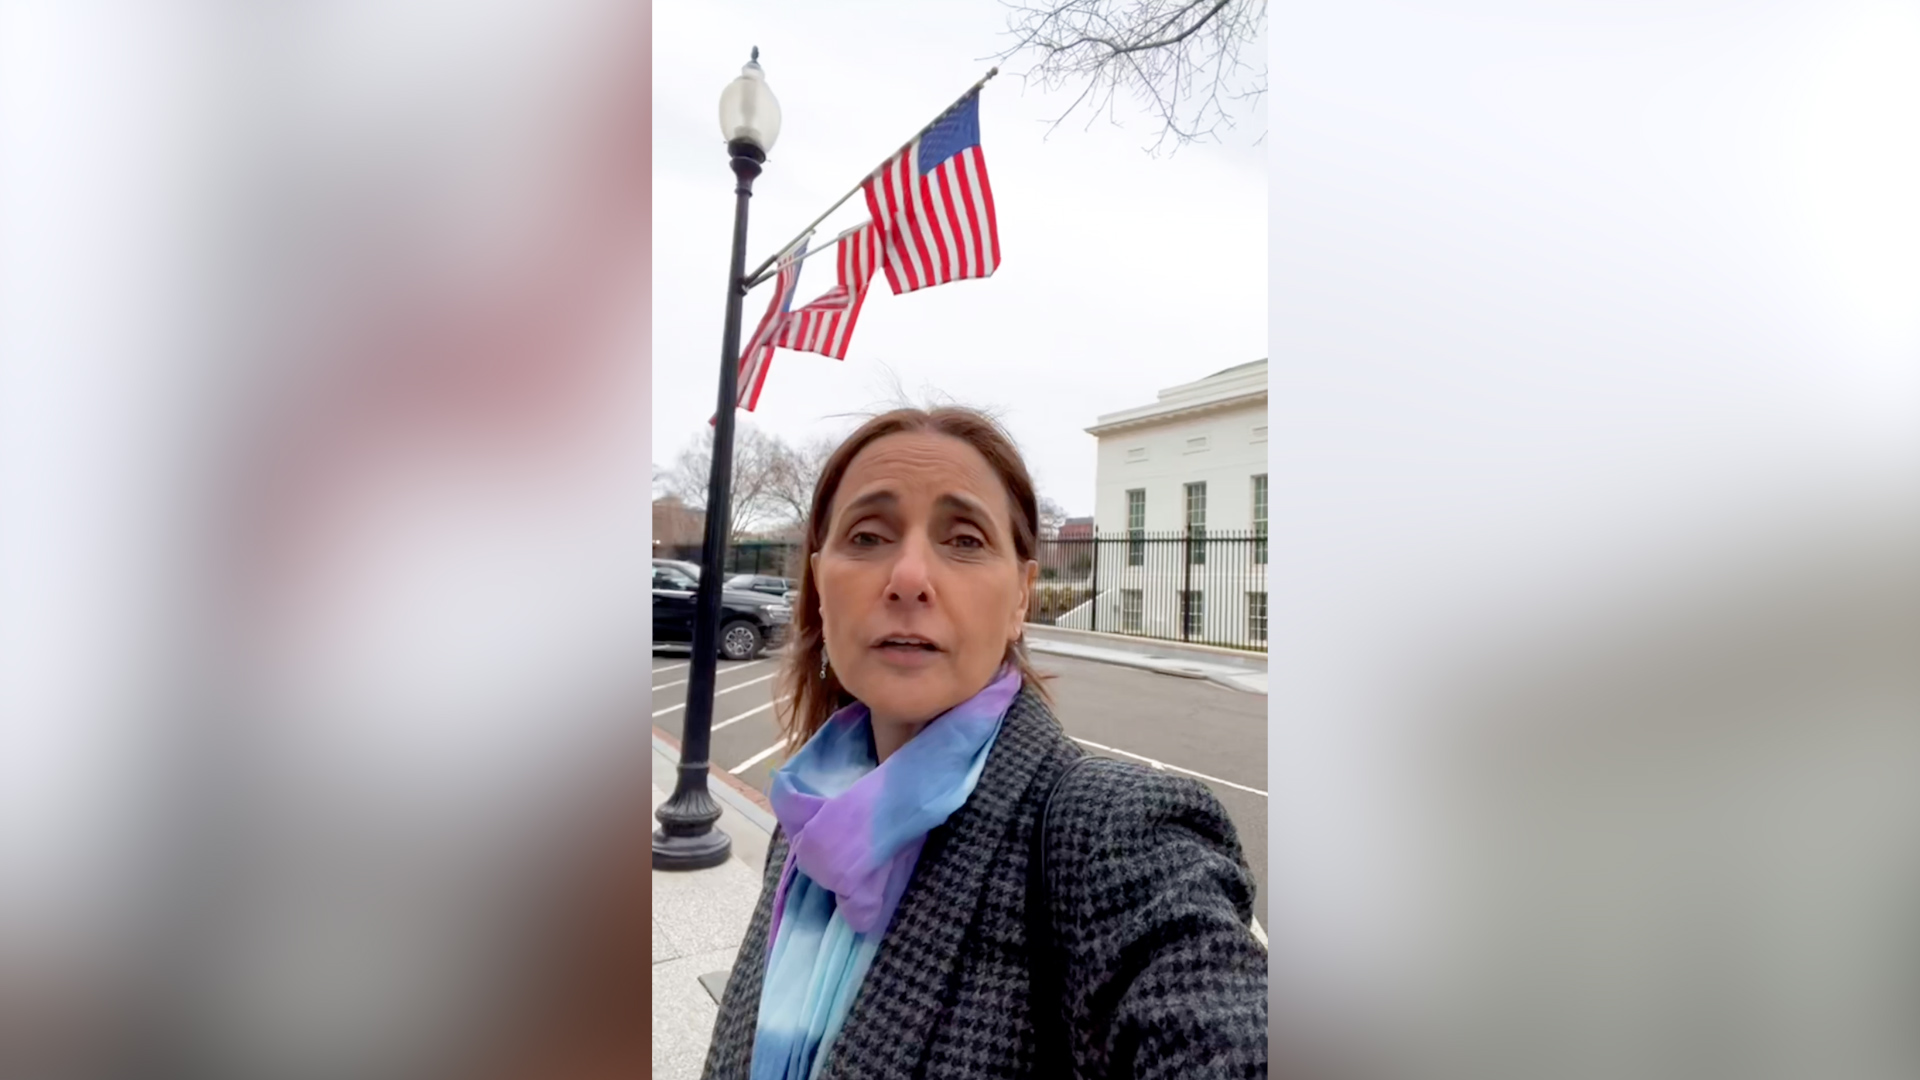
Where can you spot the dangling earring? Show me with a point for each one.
(823, 665)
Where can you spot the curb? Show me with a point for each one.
(1218, 675)
(1143, 663)
(1148, 647)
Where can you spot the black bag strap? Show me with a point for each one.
(1055, 1052)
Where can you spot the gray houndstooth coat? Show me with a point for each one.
(1152, 902)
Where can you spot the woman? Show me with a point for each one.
(893, 936)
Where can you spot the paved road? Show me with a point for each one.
(1189, 726)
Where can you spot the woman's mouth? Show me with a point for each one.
(907, 651)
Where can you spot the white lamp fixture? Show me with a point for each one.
(748, 111)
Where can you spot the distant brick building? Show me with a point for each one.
(677, 525)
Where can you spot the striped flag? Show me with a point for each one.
(934, 207)
(825, 326)
(758, 355)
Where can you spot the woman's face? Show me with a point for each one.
(920, 587)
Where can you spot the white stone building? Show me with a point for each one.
(1177, 474)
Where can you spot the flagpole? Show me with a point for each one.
(810, 252)
(746, 284)
(760, 272)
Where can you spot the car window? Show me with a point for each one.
(671, 579)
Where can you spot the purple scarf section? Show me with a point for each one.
(856, 827)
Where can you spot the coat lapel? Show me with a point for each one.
(914, 972)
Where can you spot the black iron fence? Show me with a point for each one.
(774, 558)
(1209, 588)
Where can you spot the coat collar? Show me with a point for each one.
(918, 960)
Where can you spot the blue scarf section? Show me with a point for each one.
(855, 829)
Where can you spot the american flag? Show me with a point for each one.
(934, 206)
(758, 355)
(825, 326)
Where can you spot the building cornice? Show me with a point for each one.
(1241, 387)
(1162, 413)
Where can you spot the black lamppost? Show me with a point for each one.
(686, 839)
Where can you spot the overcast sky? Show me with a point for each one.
(1121, 273)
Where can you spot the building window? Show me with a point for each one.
(1197, 523)
(1136, 527)
(1260, 520)
(1196, 613)
(1257, 617)
(1130, 611)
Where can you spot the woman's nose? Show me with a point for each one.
(910, 581)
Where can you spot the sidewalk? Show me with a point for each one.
(1230, 668)
(699, 917)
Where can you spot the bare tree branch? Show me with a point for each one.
(1053, 517)
(799, 470)
(1182, 59)
(760, 461)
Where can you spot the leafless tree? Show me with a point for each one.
(792, 490)
(1052, 517)
(1183, 59)
(759, 463)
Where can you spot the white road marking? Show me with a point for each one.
(736, 686)
(755, 759)
(749, 682)
(749, 712)
(1164, 767)
(722, 671)
(1259, 934)
(670, 685)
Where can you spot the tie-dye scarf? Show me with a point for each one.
(855, 829)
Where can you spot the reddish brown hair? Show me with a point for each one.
(810, 700)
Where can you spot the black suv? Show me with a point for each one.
(761, 583)
(749, 621)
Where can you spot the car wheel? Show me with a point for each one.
(740, 640)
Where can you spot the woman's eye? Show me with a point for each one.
(966, 541)
(864, 539)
